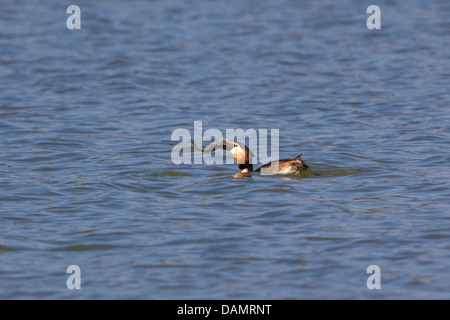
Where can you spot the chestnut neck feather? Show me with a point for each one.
(243, 160)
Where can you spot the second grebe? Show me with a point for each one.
(242, 155)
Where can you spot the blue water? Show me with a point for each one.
(86, 176)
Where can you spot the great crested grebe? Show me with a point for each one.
(242, 155)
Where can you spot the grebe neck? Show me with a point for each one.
(245, 167)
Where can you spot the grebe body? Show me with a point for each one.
(284, 166)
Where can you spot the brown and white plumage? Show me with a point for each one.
(243, 156)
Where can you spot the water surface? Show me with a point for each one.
(86, 176)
